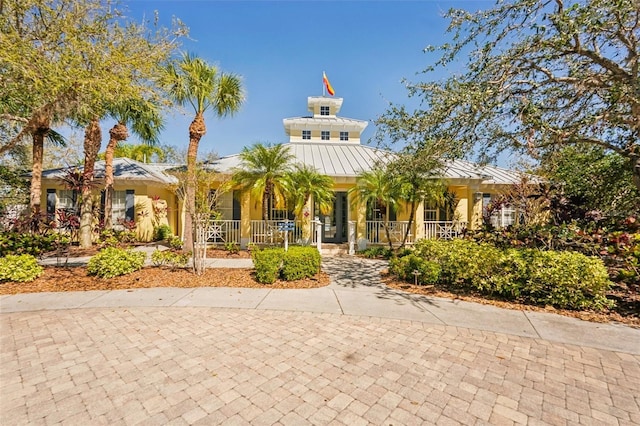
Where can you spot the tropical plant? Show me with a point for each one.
(142, 153)
(262, 172)
(19, 268)
(379, 188)
(303, 184)
(192, 81)
(112, 262)
(146, 122)
(110, 57)
(416, 172)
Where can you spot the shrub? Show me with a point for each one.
(162, 232)
(463, 263)
(231, 247)
(563, 279)
(112, 262)
(377, 252)
(300, 262)
(171, 258)
(566, 280)
(19, 268)
(175, 242)
(267, 263)
(405, 266)
(26, 243)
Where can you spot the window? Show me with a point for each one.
(119, 207)
(278, 212)
(376, 211)
(306, 134)
(344, 136)
(500, 217)
(324, 110)
(324, 135)
(430, 213)
(228, 205)
(67, 200)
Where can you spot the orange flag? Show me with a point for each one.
(325, 80)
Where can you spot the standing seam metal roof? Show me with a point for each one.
(350, 159)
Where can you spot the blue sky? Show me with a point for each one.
(281, 48)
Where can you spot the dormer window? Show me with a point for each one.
(324, 110)
(306, 134)
(344, 136)
(324, 135)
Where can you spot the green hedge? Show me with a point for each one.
(19, 268)
(563, 279)
(171, 258)
(297, 263)
(112, 262)
(300, 262)
(267, 263)
(405, 266)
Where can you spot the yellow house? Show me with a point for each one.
(142, 195)
(325, 141)
(331, 144)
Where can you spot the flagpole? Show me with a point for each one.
(323, 85)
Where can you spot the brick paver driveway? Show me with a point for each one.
(210, 365)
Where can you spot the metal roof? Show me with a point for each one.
(350, 159)
(328, 158)
(487, 174)
(125, 169)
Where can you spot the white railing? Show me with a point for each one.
(272, 232)
(376, 233)
(222, 231)
(443, 230)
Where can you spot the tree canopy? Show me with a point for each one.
(70, 58)
(539, 75)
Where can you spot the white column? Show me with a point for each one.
(352, 237)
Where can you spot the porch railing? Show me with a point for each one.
(443, 230)
(272, 232)
(222, 231)
(376, 233)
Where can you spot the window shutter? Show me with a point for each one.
(130, 205)
(51, 202)
(236, 205)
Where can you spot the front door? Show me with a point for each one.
(334, 225)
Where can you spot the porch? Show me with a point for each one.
(274, 232)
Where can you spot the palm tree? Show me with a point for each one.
(304, 183)
(38, 126)
(416, 172)
(192, 81)
(263, 172)
(92, 142)
(146, 122)
(382, 189)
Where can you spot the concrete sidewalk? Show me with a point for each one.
(355, 290)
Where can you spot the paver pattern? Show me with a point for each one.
(213, 365)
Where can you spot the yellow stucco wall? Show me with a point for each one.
(143, 196)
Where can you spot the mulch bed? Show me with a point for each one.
(56, 279)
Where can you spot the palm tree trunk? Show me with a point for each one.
(265, 201)
(92, 140)
(116, 134)
(197, 129)
(39, 126)
(412, 214)
(36, 172)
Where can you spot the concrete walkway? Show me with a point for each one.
(355, 352)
